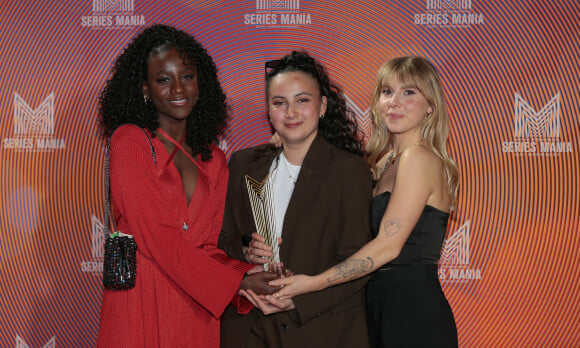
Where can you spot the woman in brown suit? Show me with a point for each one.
(322, 192)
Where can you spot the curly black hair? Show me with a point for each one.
(122, 98)
(338, 125)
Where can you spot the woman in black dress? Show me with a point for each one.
(416, 187)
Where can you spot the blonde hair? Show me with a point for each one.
(419, 73)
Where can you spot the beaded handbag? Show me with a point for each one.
(120, 260)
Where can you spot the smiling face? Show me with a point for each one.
(402, 106)
(171, 86)
(295, 105)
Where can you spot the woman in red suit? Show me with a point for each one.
(163, 109)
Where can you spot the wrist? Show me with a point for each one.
(243, 282)
(319, 282)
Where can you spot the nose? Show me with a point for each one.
(291, 110)
(394, 100)
(176, 86)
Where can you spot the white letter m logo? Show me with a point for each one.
(456, 248)
(39, 121)
(529, 123)
(98, 238)
(20, 343)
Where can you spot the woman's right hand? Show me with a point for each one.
(258, 282)
(295, 285)
(259, 252)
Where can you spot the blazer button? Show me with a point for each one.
(185, 226)
(284, 327)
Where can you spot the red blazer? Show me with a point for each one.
(327, 221)
(184, 282)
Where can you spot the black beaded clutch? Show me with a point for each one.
(120, 260)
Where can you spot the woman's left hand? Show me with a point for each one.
(267, 304)
(259, 252)
(275, 140)
(294, 286)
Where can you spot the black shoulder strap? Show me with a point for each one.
(109, 221)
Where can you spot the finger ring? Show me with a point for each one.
(276, 295)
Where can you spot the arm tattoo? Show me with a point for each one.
(352, 269)
(392, 226)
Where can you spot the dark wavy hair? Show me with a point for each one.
(122, 98)
(338, 125)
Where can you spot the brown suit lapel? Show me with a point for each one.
(259, 166)
(308, 184)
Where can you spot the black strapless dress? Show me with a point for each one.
(405, 304)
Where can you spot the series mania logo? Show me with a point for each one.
(97, 247)
(448, 13)
(34, 128)
(20, 343)
(454, 263)
(277, 14)
(112, 14)
(537, 132)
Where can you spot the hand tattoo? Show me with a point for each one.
(352, 269)
(392, 226)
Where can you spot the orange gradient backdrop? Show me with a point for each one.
(511, 263)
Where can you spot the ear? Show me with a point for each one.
(323, 104)
(429, 110)
(145, 90)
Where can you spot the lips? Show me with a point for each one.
(178, 102)
(292, 125)
(394, 116)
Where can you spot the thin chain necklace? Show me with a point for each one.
(391, 158)
(287, 167)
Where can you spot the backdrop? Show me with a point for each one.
(510, 263)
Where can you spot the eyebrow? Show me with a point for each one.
(188, 69)
(296, 95)
(402, 87)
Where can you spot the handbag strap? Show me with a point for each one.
(109, 220)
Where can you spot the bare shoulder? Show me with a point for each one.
(421, 159)
(421, 169)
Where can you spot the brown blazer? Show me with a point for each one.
(327, 221)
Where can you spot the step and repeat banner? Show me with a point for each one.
(510, 264)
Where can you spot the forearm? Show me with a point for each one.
(368, 259)
(311, 304)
